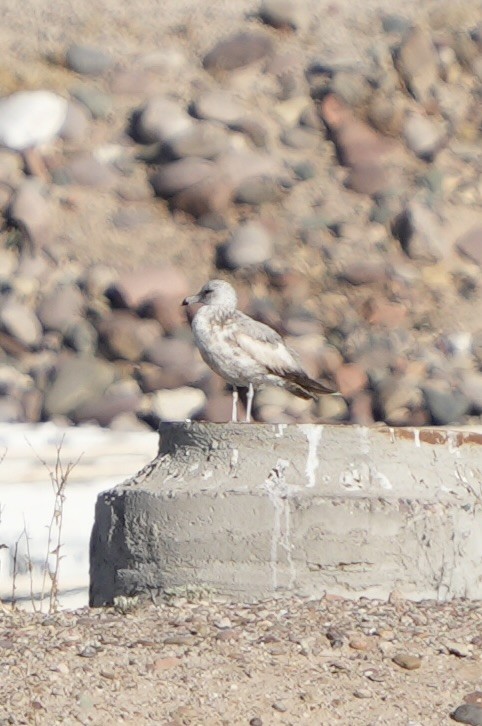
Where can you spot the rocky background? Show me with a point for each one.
(325, 159)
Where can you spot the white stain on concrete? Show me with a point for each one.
(416, 437)
(452, 443)
(278, 492)
(313, 435)
(280, 430)
(365, 443)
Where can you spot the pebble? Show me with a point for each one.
(98, 103)
(211, 195)
(21, 322)
(469, 714)
(219, 106)
(30, 211)
(86, 170)
(250, 244)
(417, 63)
(31, 118)
(59, 309)
(87, 60)
(407, 661)
(421, 233)
(160, 119)
(170, 179)
(423, 136)
(204, 140)
(470, 244)
(284, 14)
(279, 706)
(237, 51)
(445, 405)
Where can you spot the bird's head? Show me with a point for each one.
(215, 292)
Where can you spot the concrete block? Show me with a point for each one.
(251, 510)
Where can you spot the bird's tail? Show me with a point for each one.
(303, 386)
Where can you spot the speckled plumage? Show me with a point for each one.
(241, 350)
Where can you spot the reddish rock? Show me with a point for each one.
(211, 195)
(382, 312)
(141, 286)
(351, 378)
(361, 409)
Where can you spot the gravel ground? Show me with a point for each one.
(205, 661)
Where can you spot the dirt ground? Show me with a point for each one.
(206, 662)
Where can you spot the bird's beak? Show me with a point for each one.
(191, 300)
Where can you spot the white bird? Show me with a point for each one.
(246, 353)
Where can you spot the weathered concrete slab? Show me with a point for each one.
(251, 510)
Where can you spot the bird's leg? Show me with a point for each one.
(234, 414)
(249, 402)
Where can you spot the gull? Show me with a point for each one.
(246, 353)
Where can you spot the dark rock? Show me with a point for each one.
(469, 714)
(237, 52)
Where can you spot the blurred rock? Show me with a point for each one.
(123, 335)
(472, 389)
(364, 273)
(85, 170)
(423, 136)
(398, 398)
(178, 404)
(136, 288)
(284, 14)
(350, 379)
(78, 380)
(61, 308)
(332, 408)
(446, 405)
(204, 140)
(249, 245)
(170, 179)
(219, 106)
(210, 195)
(361, 409)
(11, 410)
(87, 59)
(237, 52)
(31, 212)
(301, 138)
(160, 119)
(20, 322)
(257, 191)
(76, 123)
(120, 397)
(97, 102)
(176, 362)
(421, 233)
(470, 244)
(417, 63)
(378, 311)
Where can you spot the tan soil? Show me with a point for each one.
(203, 661)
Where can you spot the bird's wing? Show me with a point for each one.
(262, 344)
